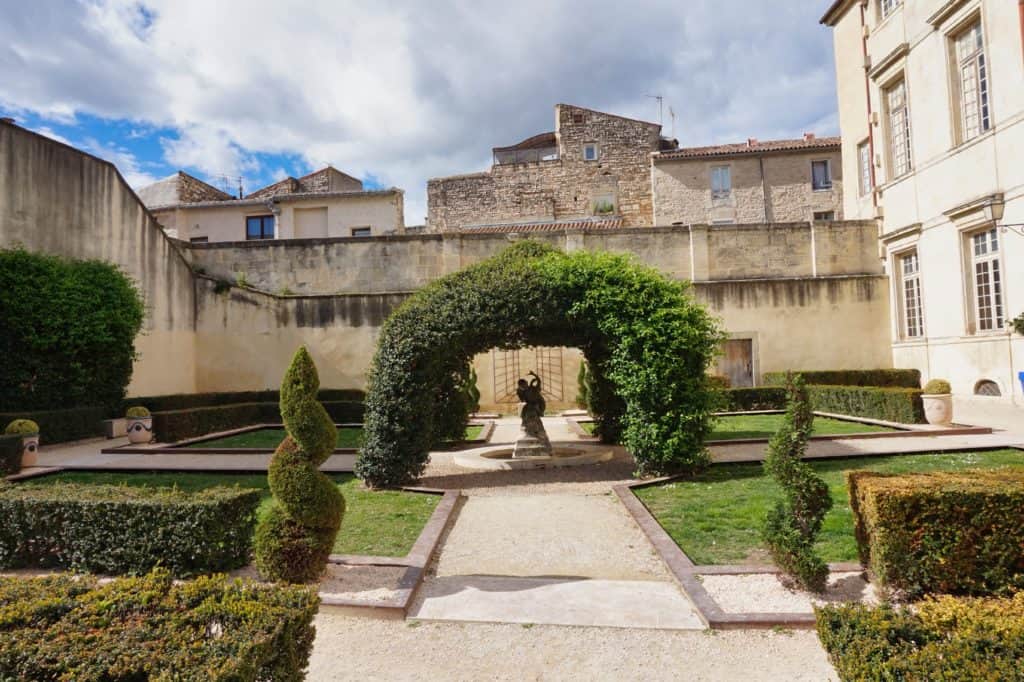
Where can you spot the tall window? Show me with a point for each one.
(259, 227)
(910, 292)
(590, 151)
(899, 128)
(864, 167)
(721, 183)
(889, 6)
(821, 175)
(973, 78)
(988, 283)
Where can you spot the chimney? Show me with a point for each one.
(809, 137)
(751, 141)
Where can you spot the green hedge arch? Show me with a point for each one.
(647, 343)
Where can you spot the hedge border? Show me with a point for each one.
(878, 378)
(10, 454)
(173, 426)
(186, 401)
(60, 426)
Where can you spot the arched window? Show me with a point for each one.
(987, 387)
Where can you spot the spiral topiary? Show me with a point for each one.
(295, 537)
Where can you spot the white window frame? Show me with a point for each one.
(820, 215)
(887, 7)
(908, 291)
(364, 230)
(864, 178)
(987, 280)
(721, 195)
(591, 146)
(972, 81)
(898, 135)
(828, 173)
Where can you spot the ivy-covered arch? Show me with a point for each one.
(647, 342)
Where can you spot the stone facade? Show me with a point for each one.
(327, 179)
(180, 188)
(770, 182)
(615, 183)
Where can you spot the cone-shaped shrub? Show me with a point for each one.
(294, 539)
(793, 523)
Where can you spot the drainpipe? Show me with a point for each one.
(769, 214)
(867, 98)
(1020, 7)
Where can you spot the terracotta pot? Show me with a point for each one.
(29, 450)
(140, 429)
(938, 408)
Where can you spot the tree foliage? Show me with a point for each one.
(793, 523)
(68, 332)
(646, 341)
(295, 537)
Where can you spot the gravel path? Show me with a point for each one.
(764, 592)
(350, 648)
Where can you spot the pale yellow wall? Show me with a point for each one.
(682, 189)
(381, 212)
(947, 174)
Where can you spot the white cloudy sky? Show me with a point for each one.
(398, 91)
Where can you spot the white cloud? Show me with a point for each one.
(125, 161)
(411, 90)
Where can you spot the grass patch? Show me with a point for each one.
(379, 523)
(348, 437)
(739, 426)
(716, 517)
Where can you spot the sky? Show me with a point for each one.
(396, 92)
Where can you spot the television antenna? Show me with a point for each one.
(661, 107)
(224, 182)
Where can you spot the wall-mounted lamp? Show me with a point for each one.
(994, 212)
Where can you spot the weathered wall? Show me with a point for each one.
(407, 262)
(58, 200)
(682, 189)
(559, 189)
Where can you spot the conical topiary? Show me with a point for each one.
(294, 539)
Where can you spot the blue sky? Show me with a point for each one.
(397, 92)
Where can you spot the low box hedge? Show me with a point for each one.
(184, 401)
(59, 426)
(948, 638)
(151, 628)
(10, 454)
(948, 532)
(882, 378)
(750, 399)
(175, 425)
(901, 405)
(123, 529)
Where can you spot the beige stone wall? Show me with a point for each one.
(927, 210)
(561, 189)
(55, 199)
(682, 189)
(382, 212)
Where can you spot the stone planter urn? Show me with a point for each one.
(938, 402)
(139, 425)
(29, 432)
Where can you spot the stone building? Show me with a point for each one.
(594, 166)
(325, 203)
(931, 110)
(750, 182)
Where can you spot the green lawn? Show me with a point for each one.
(764, 425)
(348, 437)
(716, 517)
(379, 523)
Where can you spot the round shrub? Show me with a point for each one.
(647, 344)
(68, 334)
(22, 427)
(294, 539)
(937, 387)
(137, 412)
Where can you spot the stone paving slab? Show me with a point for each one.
(556, 601)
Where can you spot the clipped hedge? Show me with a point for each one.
(176, 425)
(59, 426)
(750, 399)
(123, 529)
(947, 638)
(10, 454)
(149, 628)
(68, 331)
(901, 405)
(948, 532)
(881, 378)
(185, 401)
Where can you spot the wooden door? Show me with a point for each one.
(737, 362)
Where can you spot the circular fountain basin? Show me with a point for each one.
(500, 457)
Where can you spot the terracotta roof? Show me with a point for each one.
(753, 147)
(552, 226)
(541, 141)
(281, 198)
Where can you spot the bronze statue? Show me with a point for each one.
(533, 439)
